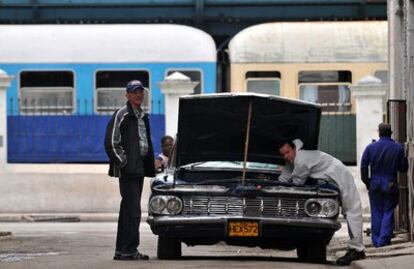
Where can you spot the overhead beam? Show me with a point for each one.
(214, 16)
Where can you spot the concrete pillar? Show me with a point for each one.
(395, 49)
(4, 84)
(369, 96)
(173, 87)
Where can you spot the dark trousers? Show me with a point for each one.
(382, 216)
(127, 237)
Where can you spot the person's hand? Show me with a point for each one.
(123, 164)
(158, 166)
(367, 184)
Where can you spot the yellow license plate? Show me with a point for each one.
(243, 228)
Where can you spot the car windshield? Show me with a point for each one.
(236, 165)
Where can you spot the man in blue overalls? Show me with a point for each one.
(384, 159)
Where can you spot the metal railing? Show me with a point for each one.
(67, 107)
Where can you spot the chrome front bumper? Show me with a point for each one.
(306, 222)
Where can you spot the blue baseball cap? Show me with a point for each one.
(134, 85)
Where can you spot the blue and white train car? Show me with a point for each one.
(68, 79)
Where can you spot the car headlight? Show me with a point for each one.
(165, 204)
(157, 204)
(174, 205)
(324, 208)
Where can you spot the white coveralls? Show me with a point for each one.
(320, 165)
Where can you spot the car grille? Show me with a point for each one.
(254, 207)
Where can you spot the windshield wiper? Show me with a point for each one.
(238, 180)
(261, 180)
(215, 181)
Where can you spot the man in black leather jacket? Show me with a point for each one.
(129, 148)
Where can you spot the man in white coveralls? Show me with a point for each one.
(304, 164)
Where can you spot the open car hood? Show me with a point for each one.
(213, 127)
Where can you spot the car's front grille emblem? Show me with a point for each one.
(261, 206)
(208, 206)
(279, 206)
(191, 205)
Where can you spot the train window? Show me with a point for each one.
(49, 92)
(262, 74)
(267, 82)
(194, 75)
(266, 86)
(110, 89)
(325, 76)
(382, 75)
(328, 88)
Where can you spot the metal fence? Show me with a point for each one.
(64, 106)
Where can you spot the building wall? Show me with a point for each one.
(401, 25)
(65, 188)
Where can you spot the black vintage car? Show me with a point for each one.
(222, 183)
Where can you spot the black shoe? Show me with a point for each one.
(351, 255)
(117, 257)
(137, 256)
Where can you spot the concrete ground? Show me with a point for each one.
(400, 262)
(399, 255)
(91, 245)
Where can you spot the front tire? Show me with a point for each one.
(314, 252)
(168, 248)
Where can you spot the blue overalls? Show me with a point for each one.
(384, 157)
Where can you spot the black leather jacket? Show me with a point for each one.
(122, 146)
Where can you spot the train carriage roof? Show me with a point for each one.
(313, 42)
(105, 43)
